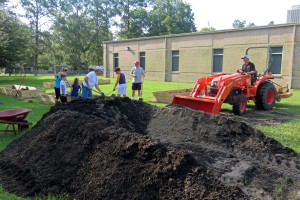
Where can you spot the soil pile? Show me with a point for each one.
(97, 149)
(114, 148)
(236, 153)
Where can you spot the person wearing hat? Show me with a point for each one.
(137, 72)
(91, 80)
(57, 83)
(248, 67)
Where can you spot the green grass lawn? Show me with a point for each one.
(286, 133)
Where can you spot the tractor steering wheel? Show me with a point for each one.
(240, 71)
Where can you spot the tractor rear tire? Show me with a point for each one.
(265, 96)
(239, 104)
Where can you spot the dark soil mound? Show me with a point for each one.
(113, 148)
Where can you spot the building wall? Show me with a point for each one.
(295, 82)
(155, 57)
(196, 53)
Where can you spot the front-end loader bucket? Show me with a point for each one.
(209, 105)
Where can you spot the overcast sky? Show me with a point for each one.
(221, 13)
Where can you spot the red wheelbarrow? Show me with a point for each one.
(14, 117)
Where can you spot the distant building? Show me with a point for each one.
(293, 15)
(189, 56)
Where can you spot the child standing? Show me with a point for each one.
(57, 83)
(121, 81)
(63, 88)
(75, 89)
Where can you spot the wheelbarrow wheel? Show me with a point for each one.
(23, 127)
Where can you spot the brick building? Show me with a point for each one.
(187, 57)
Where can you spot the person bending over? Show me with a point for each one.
(91, 80)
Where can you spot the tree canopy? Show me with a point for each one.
(78, 28)
(15, 41)
(207, 29)
(242, 24)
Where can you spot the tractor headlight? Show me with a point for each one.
(214, 84)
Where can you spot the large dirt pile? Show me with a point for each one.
(113, 148)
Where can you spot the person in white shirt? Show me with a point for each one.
(137, 72)
(63, 88)
(91, 80)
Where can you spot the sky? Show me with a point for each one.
(220, 14)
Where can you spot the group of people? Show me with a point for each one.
(137, 73)
(60, 86)
(91, 80)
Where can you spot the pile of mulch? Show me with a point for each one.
(115, 148)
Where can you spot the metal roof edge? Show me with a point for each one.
(201, 33)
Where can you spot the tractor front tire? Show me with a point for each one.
(233, 94)
(265, 96)
(239, 104)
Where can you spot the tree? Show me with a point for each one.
(250, 24)
(271, 23)
(134, 18)
(15, 40)
(35, 12)
(76, 30)
(103, 13)
(207, 29)
(242, 24)
(2, 2)
(80, 27)
(170, 17)
(238, 24)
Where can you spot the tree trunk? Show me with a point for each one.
(128, 20)
(79, 61)
(98, 42)
(36, 39)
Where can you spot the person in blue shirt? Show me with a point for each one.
(57, 83)
(75, 89)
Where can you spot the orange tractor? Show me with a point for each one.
(209, 93)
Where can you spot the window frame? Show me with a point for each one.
(213, 56)
(114, 60)
(175, 56)
(144, 57)
(280, 74)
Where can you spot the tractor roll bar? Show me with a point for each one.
(269, 56)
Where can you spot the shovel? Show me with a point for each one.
(102, 94)
(112, 91)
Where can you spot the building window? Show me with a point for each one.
(175, 61)
(276, 60)
(217, 60)
(143, 60)
(116, 60)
